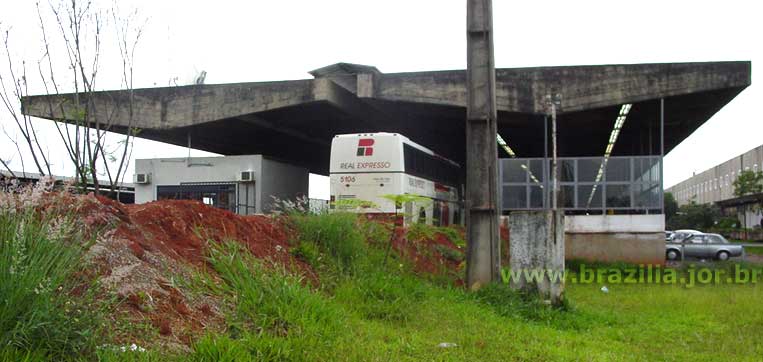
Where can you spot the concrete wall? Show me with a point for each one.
(281, 180)
(638, 239)
(614, 223)
(271, 177)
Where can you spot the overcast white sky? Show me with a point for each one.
(277, 40)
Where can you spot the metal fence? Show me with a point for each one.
(318, 205)
(585, 183)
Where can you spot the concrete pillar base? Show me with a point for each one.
(537, 249)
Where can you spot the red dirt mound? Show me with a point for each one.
(436, 255)
(182, 228)
(439, 254)
(141, 248)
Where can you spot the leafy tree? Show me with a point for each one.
(670, 205)
(748, 183)
(695, 216)
(75, 36)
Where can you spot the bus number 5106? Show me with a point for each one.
(344, 179)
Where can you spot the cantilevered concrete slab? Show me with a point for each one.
(295, 120)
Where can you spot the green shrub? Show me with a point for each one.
(727, 223)
(307, 252)
(376, 233)
(510, 303)
(421, 231)
(39, 256)
(454, 233)
(450, 254)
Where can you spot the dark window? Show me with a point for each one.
(421, 164)
(618, 196)
(222, 196)
(514, 197)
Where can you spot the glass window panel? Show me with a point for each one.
(566, 170)
(618, 196)
(646, 195)
(536, 197)
(536, 168)
(588, 169)
(584, 195)
(646, 169)
(513, 171)
(514, 197)
(641, 170)
(619, 169)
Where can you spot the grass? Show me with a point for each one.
(378, 313)
(365, 310)
(754, 250)
(273, 309)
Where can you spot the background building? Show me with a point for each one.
(716, 185)
(241, 184)
(124, 192)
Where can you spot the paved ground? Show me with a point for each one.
(750, 258)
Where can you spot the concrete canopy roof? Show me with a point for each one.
(296, 120)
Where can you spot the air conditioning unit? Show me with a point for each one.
(246, 176)
(142, 178)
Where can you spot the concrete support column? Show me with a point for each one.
(537, 244)
(483, 254)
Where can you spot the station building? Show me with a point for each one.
(615, 123)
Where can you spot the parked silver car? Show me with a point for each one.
(705, 246)
(680, 235)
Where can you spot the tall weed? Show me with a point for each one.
(275, 312)
(39, 256)
(337, 235)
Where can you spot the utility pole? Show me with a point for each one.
(483, 252)
(551, 103)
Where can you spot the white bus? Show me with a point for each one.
(365, 167)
